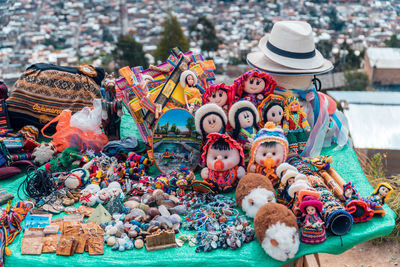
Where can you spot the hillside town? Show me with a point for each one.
(70, 32)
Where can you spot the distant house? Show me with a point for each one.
(383, 65)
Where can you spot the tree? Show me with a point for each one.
(172, 36)
(334, 22)
(203, 31)
(347, 59)
(393, 41)
(129, 52)
(190, 125)
(173, 128)
(356, 81)
(325, 47)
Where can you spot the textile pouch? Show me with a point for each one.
(44, 90)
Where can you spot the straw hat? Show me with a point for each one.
(289, 50)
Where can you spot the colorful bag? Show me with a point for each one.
(44, 90)
(68, 136)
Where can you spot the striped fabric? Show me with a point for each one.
(4, 120)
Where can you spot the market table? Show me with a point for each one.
(251, 254)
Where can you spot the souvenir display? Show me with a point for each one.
(176, 141)
(164, 179)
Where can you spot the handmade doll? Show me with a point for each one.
(224, 159)
(269, 149)
(188, 81)
(295, 125)
(355, 205)
(286, 181)
(271, 109)
(210, 118)
(378, 198)
(312, 227)
(243, 118)
(254, 86)
(219, 94)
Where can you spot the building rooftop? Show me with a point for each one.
(384, 58)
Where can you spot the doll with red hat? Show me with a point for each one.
(312, 227)
(254, 86)
(269, 149)
(224, 161)
(355, 205)
(220, 94)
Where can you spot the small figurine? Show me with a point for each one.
(286, 181)
(210, 118)
(243, 118)
(224, 159)
(219, 94)
(254, 86)
(88, 195)
(271, 109)
(188, 81)
(312, 227)
(355, 205)
(381, 193)
(269, 149)
(295, 125)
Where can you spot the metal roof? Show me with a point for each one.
(384, 58)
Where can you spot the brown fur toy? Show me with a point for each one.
(253, 191)
(276, 230)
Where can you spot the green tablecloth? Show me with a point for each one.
(345, 162)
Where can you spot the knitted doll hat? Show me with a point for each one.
(270, 133)
(214, 137)
(239, 83)
(204, 111)
(284, 167)
(182, 79)
(270, 101)
(289, 174)
(310, 201)
(240, 106)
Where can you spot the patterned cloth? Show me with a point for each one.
(314, 233)
(4, 120)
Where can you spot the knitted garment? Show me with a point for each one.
(193, 95)
(223, 180)
(245, 134)
(312, 234)
(295, 127)
(270, 173)
(4, 119)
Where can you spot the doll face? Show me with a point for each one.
(348, 193)
(290, 181)
(190, 80)
(310, 210)
(222, 160)
(254, 85)
(219, 97)
(246, 119)
(275, 114)
(383, 191)
(212, 124)
(274, 152)
(294, 107)
(103, 194)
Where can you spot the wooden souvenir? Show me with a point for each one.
(96, 245)
(66, 246)
(176, 142)
(85, 210)
(51, 229)
(72, 228)
(32, 245)
(50, 243)
(161, 240)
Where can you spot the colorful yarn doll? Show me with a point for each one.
(357, 207)
(210, 118)
(312, 227)
(269, 149)
(295, 125)
(188, 81)
(379, 197)
(220, 94)
(254, 86)
(271, 109)
(224, 159)
(243, 118)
